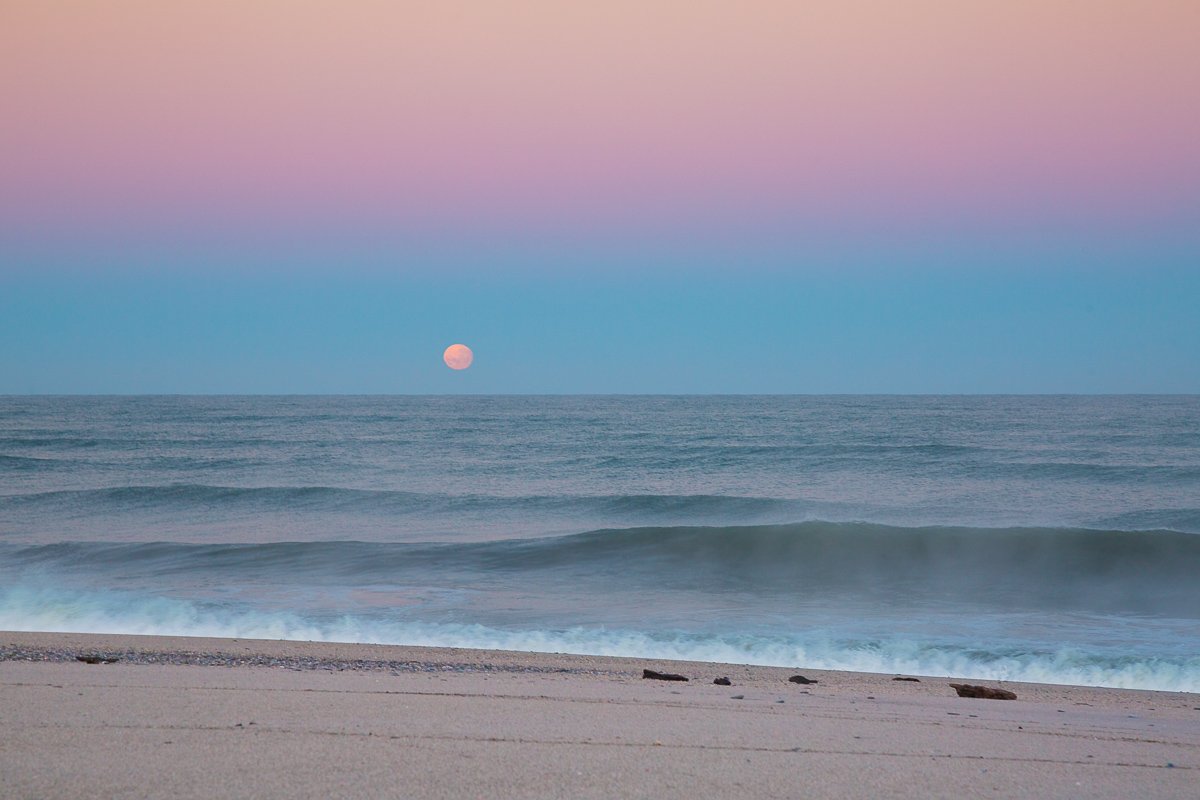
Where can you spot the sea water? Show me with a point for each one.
(1022, 538)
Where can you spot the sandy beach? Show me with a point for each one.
(190, 717)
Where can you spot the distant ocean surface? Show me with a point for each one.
(1024, 538)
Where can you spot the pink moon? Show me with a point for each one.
(458, 356)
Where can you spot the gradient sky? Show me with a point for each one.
(654, 196)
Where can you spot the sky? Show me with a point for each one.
(278, 196)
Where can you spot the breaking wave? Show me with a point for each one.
(129, 613)
(1148, 572)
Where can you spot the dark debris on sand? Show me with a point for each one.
(984, 692)
(297, 663)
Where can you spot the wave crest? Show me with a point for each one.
(1151, 572)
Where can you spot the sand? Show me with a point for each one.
(205, 718)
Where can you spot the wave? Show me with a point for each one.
(26, 463)
(185, 496)
(129, 613)
(191, 497)
(443, 511)
(1185, 474)
(1176, 519)
(1150, 572)
(58, 441)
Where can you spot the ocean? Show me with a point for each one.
(1037, 538)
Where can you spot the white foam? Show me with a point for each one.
(41, 609)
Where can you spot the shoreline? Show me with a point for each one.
(48, 646)
(54, 646)
(195, 717)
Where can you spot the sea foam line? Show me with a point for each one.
(53, 610)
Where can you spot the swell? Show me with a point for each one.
(1150, 572)
(191, 497)
(632, 509)
(1085, 471)
(26, 463)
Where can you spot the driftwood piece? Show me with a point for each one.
(661, 676)
(985, 692)
(97, 659)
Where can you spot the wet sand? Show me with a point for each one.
(204, 718)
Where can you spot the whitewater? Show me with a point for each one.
(1024, 538)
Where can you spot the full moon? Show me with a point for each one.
(458, 356)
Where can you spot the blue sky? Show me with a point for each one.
(1031, 321)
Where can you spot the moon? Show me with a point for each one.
(458, 356)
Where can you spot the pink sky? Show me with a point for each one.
(548, 115)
